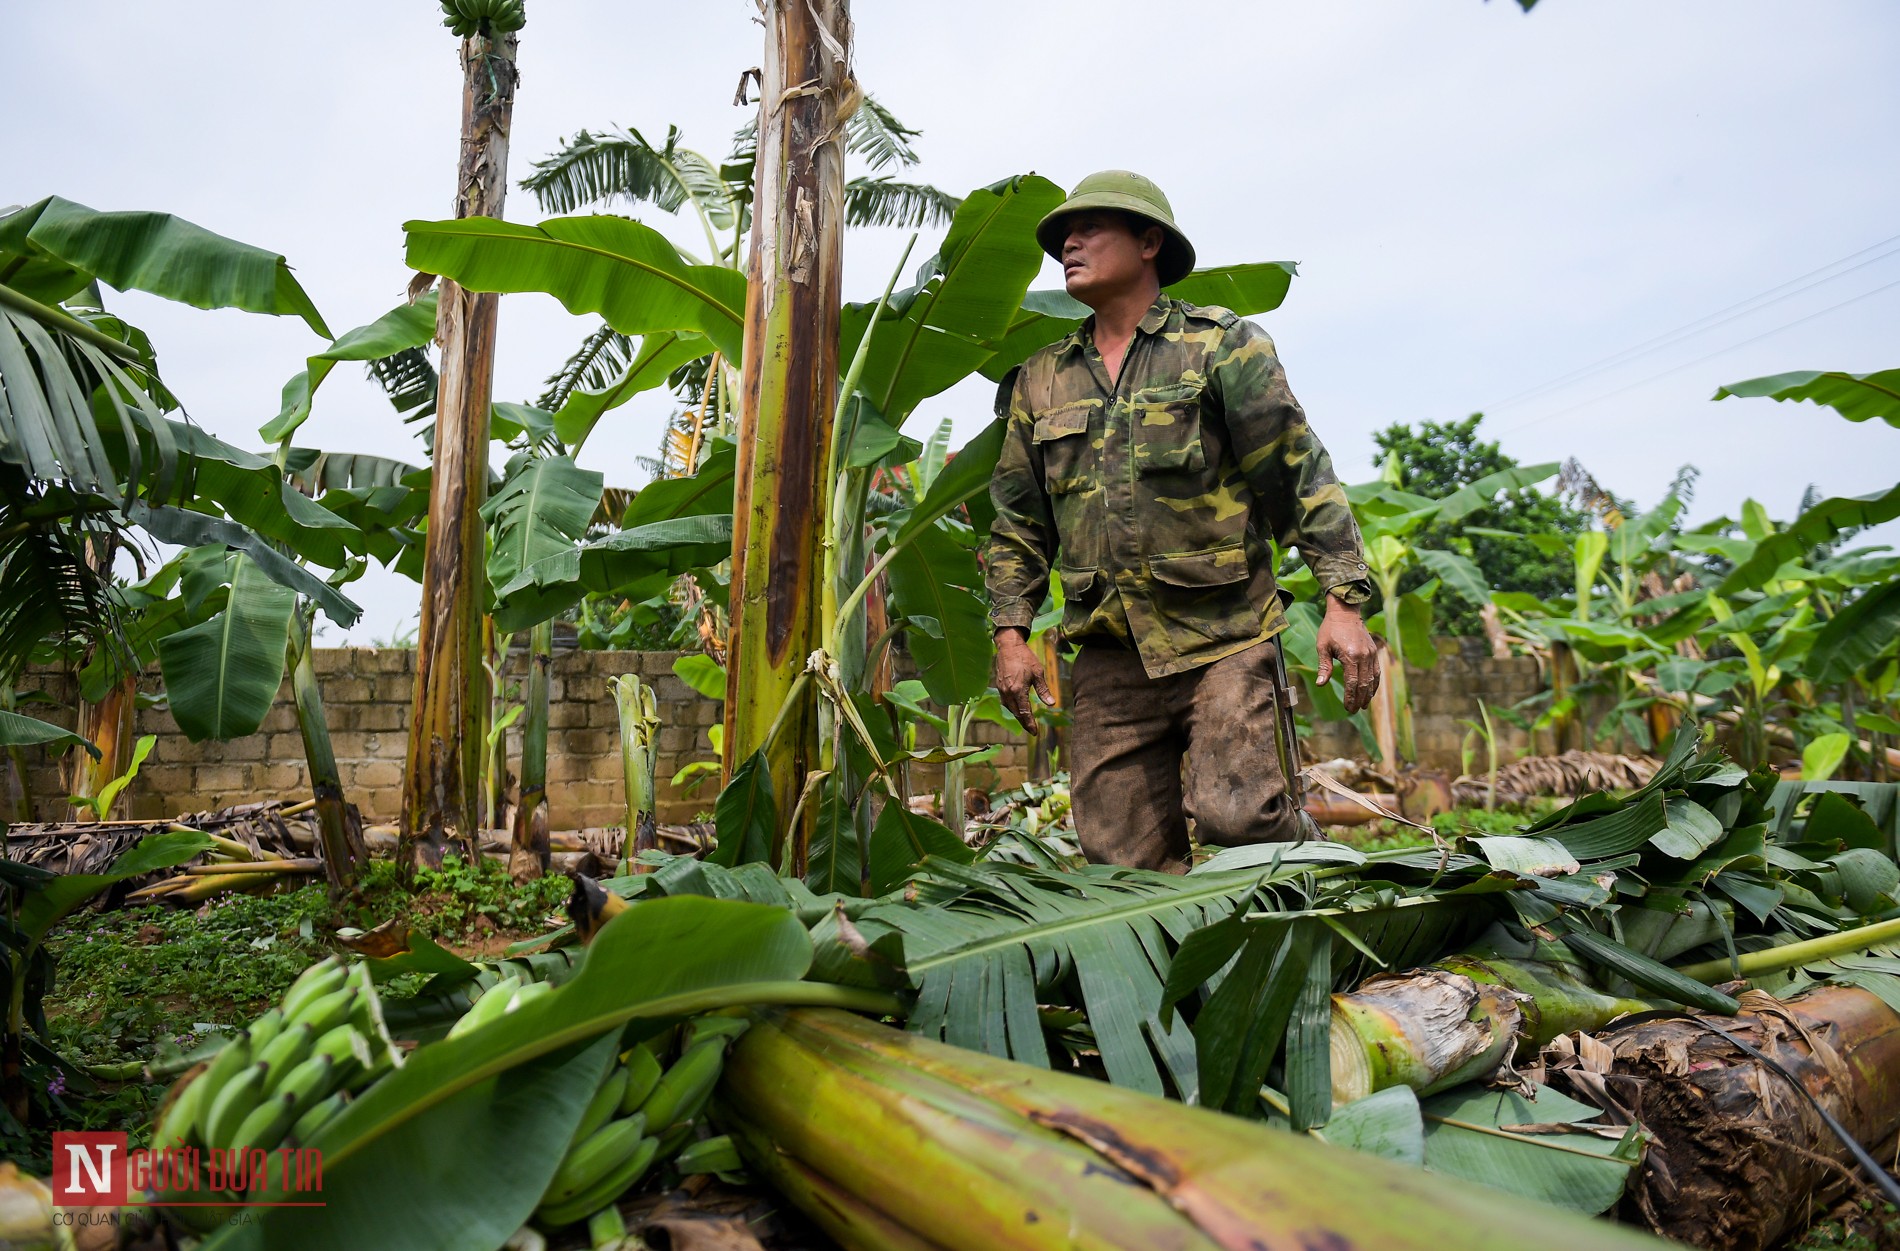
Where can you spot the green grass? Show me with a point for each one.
(1857, 1225)
(130, 984)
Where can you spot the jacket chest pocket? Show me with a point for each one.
(1167, 429)
(1062, 440)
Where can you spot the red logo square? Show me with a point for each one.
(88, 1170)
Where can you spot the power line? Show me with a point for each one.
(1708, 322)
(1722, 351)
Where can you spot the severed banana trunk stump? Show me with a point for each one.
(1740, 1156)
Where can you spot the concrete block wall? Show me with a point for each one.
(367, 695)
(1445, 696)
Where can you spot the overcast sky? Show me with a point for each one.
(1482, 202)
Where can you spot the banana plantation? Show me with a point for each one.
(1620, 966)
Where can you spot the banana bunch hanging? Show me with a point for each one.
(280, 1080)
(484, 17)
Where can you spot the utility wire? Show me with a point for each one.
(1722, 316)
(1722, 351)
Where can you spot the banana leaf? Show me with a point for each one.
(406, 326)
(626, 272)
(485, 1115)
(932, 580)
(22, 731)
(52, 898)
(222, 674)
(942, 330)
(59, 247)
(542, 510)
(660, 354)
(1857, 397)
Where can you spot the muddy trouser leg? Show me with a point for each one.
(1235, 790)
(1125, 747)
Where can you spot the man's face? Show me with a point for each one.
(1103, 256)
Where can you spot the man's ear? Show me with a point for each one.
(1151, 240)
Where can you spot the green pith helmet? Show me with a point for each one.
(1131, 193)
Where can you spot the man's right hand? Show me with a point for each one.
(1017, 671)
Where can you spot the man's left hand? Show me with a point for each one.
(1343, 638)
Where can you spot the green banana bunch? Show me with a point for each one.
(506, 995)
(285, 1075)
(642, 1113)
(469, 17)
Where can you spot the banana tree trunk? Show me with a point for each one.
(530, 856)
(441, 784)
(339, 828)
(1740, 1155)
(1458, 1020)
(930, 1145)
(789, 381)
(109, 726)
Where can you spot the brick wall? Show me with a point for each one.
(1445, 696)
(367, 696)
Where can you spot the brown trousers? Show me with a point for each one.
(1129, 733)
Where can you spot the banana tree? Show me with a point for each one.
(1388, 518)
(969, 310)
(87, 452)
(441, 779)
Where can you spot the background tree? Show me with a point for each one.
(1434, 460)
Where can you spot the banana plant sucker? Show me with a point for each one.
(1387, 555)
(344, 853)
(639, 752)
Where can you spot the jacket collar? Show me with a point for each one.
(1150, 323)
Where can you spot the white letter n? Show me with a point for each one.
(100, 1174)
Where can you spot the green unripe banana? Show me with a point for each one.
(490, 1004)
(605, 1103)
(264, 1029)
(233, 1103)
(643, 1074)
(598, 1172)
(685, 1087)
(179, 1122)
(226, 1065)
(710, 1155)
(329, 1011)
(289, 1048)
(266, 1124)
(700, 1028)
(308, 1083)
(673, 1140)
(312, 984)
(316, 1117)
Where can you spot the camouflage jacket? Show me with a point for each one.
(1153, 498)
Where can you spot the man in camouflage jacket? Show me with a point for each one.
(1149, 457)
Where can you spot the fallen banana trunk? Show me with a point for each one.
(1740, 1155)
(890, 1141)
(1459, 1020)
